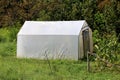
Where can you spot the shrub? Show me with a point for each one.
(12, 35)
(7, 49)
(8, 41)
(4, 35)
(106, 48)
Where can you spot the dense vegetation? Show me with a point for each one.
(103, 16)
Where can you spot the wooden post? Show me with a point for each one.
(88, 62)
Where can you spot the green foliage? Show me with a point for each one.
(8, 49)
(8, 34)
(43, 15)
(4, 35)
(13, 34)
(107, 48)
(104, 20)
(99, 20)
(8, 41)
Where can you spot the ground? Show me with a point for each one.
(12, 68)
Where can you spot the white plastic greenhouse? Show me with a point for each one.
(54, 40)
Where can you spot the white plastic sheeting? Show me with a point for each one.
(51, 39)
(51, 27)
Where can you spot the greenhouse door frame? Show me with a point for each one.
(86, 42)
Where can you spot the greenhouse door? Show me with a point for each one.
(86, 42)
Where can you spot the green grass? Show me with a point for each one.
(12, 68)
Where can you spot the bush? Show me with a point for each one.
(106, 48)
(7, 49)
(4, 35)
(8, 41)
(8, 34)
(12, 35)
